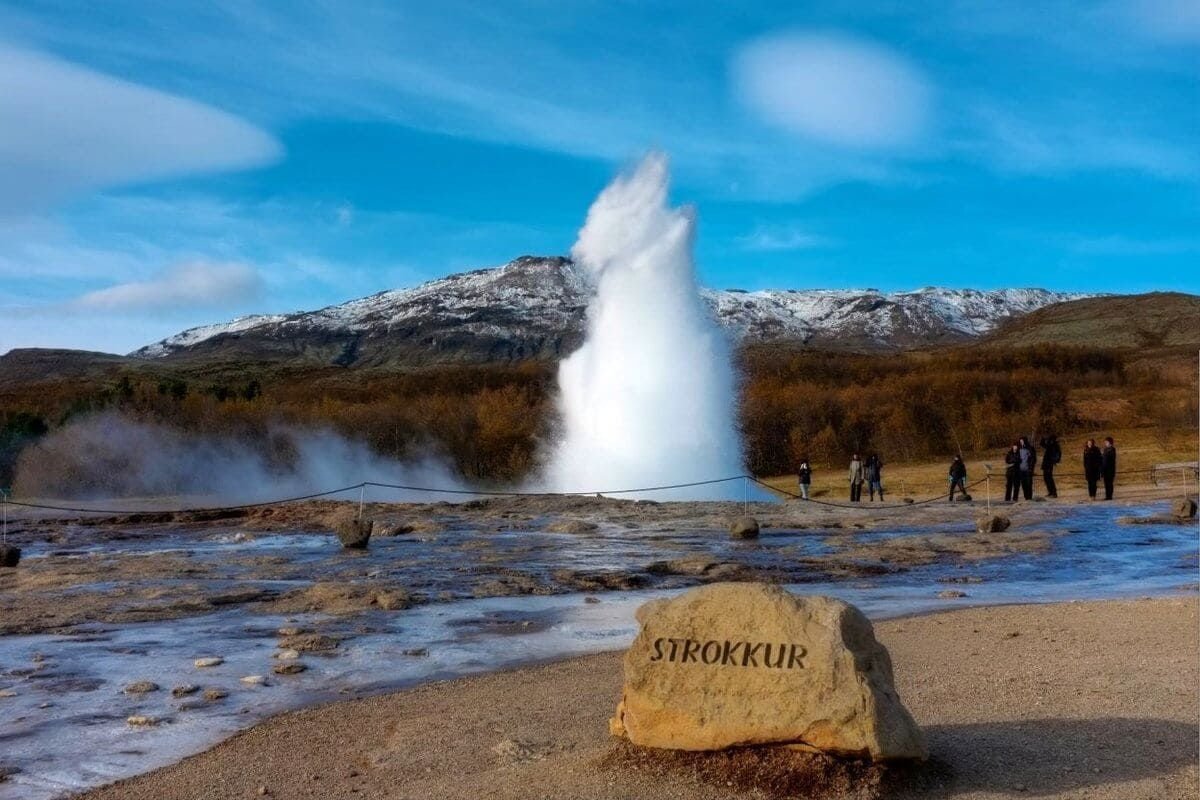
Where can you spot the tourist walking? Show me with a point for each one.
(1012, 473)
(1051, 455)
(1028, 462)
(805, 475)
(958, 477)
(856, 478)
(873, 475)
(1093, 465)
(1108, 466)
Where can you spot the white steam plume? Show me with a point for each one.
(648, 399)
(108, 456)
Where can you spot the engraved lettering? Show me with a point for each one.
(716, 652)
(658, 651)
(690, 646)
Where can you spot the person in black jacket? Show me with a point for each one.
(1027, 460)
(1108, 466)
(873, 475)
(805, 475)
(1012, 473)
(1051, 455)
(1093, 463)
(958, 476)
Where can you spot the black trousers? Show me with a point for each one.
(855, 492)
(1091, 482)
(1027, 485)
(1108, 486)
(957, 483)
(1012, 486)
(1051, 486)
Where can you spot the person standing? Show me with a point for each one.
(805, 475)
(856, 478)
(1108, 466)
(958, 476)
(1051, 455)
(1012, 473)
(1093, 465)
(1028, 462)
(873, 475)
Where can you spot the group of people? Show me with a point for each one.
(1020, 463)
(1021, 460)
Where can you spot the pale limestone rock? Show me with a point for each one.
(749, 664)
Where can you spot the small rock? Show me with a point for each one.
(184, 690)
(7, 772)
(950, 594)
(211, 661)
(10, 556)
(7, 693)
(140, 721)
(744, 528)
(591, 599)
(290, 668)
(993, 524)
(1184, 508)
(416, 652)
(254, 680)
(354, 534)
(263, 791)
(141, 687)
(290, 631)
(214, 694)
(287, 655)
(310, 643)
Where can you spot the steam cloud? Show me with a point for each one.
(648, 399)
(109, 455)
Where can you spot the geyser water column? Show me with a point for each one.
(648, 399)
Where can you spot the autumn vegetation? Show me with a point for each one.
(491, 423)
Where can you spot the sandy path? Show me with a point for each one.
(1095, 700)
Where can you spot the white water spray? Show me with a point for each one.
(648, 400)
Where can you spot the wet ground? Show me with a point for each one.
(97, 605)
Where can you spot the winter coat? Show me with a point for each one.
(958, 470)
(873, 471)
(1012, 462)
(805, 472)
(1093, 462)
(856, 471)
(1108, 461)
(1051, 453)
(1027, 458)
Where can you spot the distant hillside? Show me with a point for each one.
(1158, 319)
(533, 309)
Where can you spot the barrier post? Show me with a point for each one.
(362, 491)
(746, 486)
(4, 528)
(989, 490)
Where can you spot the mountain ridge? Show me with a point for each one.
(534, 308)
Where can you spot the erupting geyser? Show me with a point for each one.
(648, 399)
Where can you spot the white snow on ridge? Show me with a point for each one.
(550, 294)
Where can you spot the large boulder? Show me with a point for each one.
(743, 528)
(354, 533)
(993, 524)
(1184, 508)
(734, 664)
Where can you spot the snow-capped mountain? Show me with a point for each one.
(535, 307)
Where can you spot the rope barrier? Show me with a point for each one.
(8, 499)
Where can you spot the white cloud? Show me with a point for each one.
(66, 129)
(833, 89)
(184, 286)
(765, 239)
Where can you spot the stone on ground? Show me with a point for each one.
(354, 533)
(10, 556)
(1184, 508)
(733, 664)
(744, 528)
(993, 524)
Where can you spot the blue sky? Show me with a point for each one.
(164, 165)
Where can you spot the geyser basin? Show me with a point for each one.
(648, 400)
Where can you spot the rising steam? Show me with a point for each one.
(648, 399)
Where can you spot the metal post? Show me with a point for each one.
(989, 491)
(362, 490)
(746, 485)
(4, 530)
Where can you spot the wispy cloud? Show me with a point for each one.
(193, 285)
(834, 89)
(780, 238)
(68, 129)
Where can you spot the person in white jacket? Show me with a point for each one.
(856, 478)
